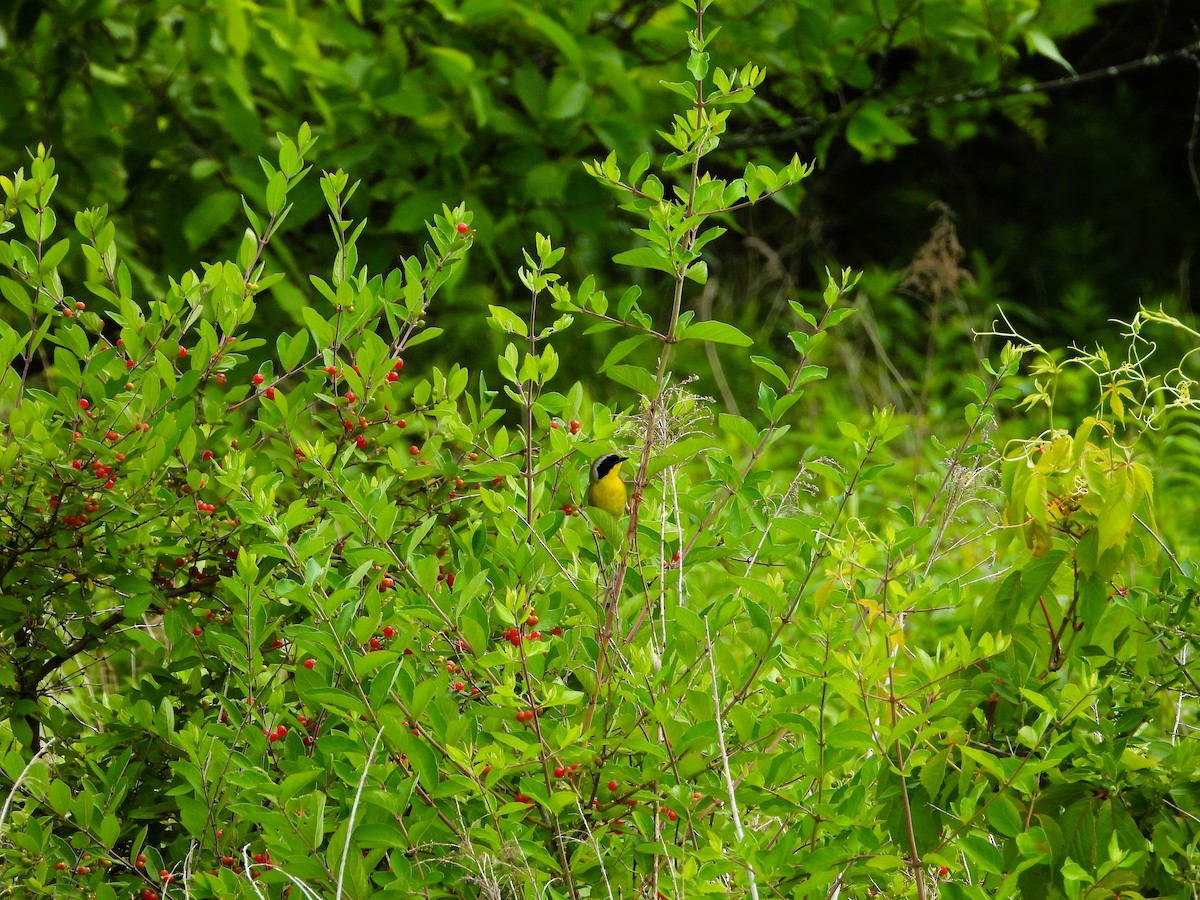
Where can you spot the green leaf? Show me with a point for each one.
(203, 220)
(634, 377)
(644, 258)
(321, 330)
(1039, 42)
(717, 332)
(739, 427)
(507, 321)
(1003, 816)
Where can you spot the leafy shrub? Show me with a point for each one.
(300, 613)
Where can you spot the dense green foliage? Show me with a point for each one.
(294, 611)
(159, 109)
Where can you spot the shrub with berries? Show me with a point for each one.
(284, 614)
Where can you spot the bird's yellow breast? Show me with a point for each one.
(608, 493)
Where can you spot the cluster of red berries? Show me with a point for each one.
(278, 734)
(514, 636)
(526, 715)
(203, 507)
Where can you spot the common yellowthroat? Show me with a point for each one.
(606, 490)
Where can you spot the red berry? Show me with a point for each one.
(183, 352)
(560, 771)
(110, 484)
(612, 785)
(671, 815)
(129, 363)
(398, 365)
(554, 425)
(458, 686)
(112, 436)
(310, 663)
(389, 631)
(473, 456)
(414, 450)
(76, 464)
(257, 378)
(271, 393)
(83, 404)
(206, 455)
(220, 377)
(393, 377)
(574, 426)
(349, 395)
(361, 441)
(331, 370)
(462, 227)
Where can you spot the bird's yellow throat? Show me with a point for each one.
(606, 490)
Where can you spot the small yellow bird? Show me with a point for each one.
(606, 490)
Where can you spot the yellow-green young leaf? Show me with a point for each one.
(638, 169)
(717, 332)
(425, 334)
(507, 321)
(644, 258)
